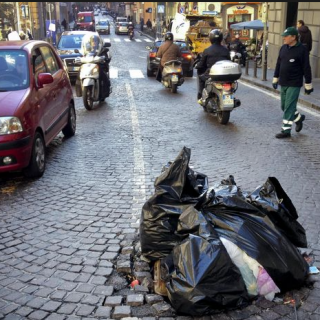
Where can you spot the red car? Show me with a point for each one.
(36, 103)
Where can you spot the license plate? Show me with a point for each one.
(175, 78)
(227, 99)
(73, 68)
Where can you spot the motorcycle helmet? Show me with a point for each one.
(237, 36)
(91, 44)
(215, 36)
(130, 23)
(168, 36)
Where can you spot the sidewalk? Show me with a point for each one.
(312, 100)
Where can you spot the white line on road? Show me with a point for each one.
(106, 40)
(117, 40)
(147, 40)
(136, 74)
(142, 57)
(273, 95)
(113, 73)
(127, 40)
(139, 176)
(138, 40)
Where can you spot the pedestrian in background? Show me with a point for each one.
(149, 24)
(292, 65)
(64, 24)
(141, 23)
(305, 35)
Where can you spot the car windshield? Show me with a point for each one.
(70, 41)
(82, 19)
(14, 70)
(102, 23)
(123, 24)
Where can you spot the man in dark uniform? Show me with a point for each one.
(216, 52)
(292, 65)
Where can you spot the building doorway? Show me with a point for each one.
(292, 13)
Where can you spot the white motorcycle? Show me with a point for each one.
(93, 84)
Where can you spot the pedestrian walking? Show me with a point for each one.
(58, 26)
(305, 35)
(292, 65)
(149, 24)
(141, 23)
(64, 24)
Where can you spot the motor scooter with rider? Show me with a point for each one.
(93, 81)
(131, 30)
(217, 79)
(238, 52)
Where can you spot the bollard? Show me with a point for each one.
(247, 67)
(255, 69)
(264, 71)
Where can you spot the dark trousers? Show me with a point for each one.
(201, 83)
(159, 73)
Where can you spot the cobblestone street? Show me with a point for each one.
(68, 239)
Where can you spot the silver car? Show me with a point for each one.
(122, 27)
(103, 26)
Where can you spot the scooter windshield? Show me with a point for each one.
(91, 45)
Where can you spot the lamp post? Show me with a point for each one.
(265, 35)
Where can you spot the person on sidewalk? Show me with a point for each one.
(141, 23)
(216, 52)
(149, 24)
(64, 24)
(292, 65)
(305, 35)
(167, 51)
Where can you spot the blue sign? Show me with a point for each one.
(49, 33)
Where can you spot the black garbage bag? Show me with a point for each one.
(175, 189)
(202, 278)
(272, 200)
(252, 231)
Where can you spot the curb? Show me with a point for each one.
(301, 101)
(146, 35)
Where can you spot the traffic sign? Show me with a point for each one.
(49, 7)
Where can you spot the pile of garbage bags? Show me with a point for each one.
(221, 246)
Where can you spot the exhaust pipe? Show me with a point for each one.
(237, 103)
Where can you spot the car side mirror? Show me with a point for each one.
(107, 45)
(44, 78)
(148, 47)
(76, 51)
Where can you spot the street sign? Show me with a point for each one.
(49, 7)
(160, 8)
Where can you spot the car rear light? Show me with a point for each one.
(226, 86)
(152, 54)
(186, 55)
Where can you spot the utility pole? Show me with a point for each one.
(265, 36)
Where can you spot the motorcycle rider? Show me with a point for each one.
(92, 45)
(238, 46)
(216, 52)
(167, 51)
(130, 28)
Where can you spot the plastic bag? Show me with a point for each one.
(176, 189)
(266, 285)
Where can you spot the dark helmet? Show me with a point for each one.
(215, 36)
(168, 36)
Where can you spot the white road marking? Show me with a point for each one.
(136, 74)
(138, 40)
(106, 40)
(127, 40)
(142, 57)
(273, 95)
(117, 39)
(147, 40)
(113, 73)
(139, 176)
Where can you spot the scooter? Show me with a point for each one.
(258, 57)
(236, 56)
(131, 34)
(218, 94)
(88, 84)
(172, 75)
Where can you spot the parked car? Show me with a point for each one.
(36, 104)
(85, 21)
(122, 27)
(103, 26)
(104, 13)
(186, 55)
(69, 42)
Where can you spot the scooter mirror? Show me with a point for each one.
(76, 51)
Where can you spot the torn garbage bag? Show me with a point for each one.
(175, 189)
(271, 199)
(202, 278)
(252, 231)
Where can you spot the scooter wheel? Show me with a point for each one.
(174, 88)
(223, 117)
(88, 97)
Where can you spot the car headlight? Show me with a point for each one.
(10, 125)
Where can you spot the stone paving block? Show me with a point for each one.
(135, 300)
(127, 250)
(124, 267)
(24, 311)
(13, 316)
(113, 301)
(140, 266)
(51, 306)
(86, 288)
(58, 295)
(270, 315)
(153, 298)
(162, 308)
(104, 290)
(282, 309)
(74, 297)
(67, 308)
(56, 317)
(121, 312)
(109, 255)
(103, 312)
(92, 300)
(9, 308)
(38, 315)
(36, 303)
(85, 310)
(140, 288)
(44, 292)
(103, 271)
